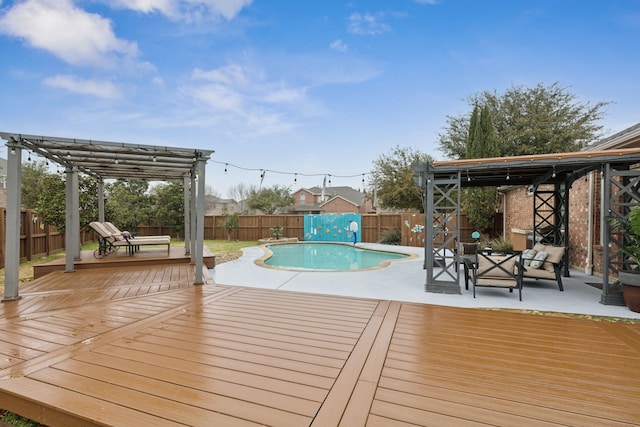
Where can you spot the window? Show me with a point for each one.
(303, 198)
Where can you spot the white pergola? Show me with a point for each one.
(103, 160)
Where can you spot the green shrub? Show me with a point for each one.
(500, 244)
(391, 237)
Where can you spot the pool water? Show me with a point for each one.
(327, 257)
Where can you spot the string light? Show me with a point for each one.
(508, 177)
(553, 175)
(295, 174)
(295, 179)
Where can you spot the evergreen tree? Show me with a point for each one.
(480, 202)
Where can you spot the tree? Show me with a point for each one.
(50, 205)
(231, 223)
(529, 121)
(167, 201)
(392, 176)
(240, 193)
(480, 202)
(127, 203)
(270, 200)
(33, 173)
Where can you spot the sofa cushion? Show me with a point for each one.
(554, 255)
(538, 260)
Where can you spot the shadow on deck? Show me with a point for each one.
(139, 345)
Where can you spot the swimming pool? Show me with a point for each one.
(326, 257)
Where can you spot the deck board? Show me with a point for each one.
(140, 345)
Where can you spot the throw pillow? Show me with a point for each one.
(118, 236)
(538, 260)
(528, 255)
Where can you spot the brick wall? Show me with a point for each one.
(519, 215)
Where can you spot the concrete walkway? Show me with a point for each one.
(405, 281)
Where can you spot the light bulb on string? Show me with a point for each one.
(225, 167)
(295, 178)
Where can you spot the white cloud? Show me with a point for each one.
(244, 97)
(99, 88)
(75, 36)
(185, 10)
(367, 24)
(338, 45)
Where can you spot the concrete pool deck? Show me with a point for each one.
(405, 281)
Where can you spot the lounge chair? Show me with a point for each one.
(114, 230)
(108, 242)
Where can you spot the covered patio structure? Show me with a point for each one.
(551, 177)
(103, 161)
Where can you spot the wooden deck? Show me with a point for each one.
(154, 255)
(141, 346)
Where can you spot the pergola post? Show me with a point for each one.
(194, 213)
(442, 234)
(621, 191)
(100, 196)
(187, 214)
(72, 219)
(199, 252)
(12, 237)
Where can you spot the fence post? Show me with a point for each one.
(28, 229)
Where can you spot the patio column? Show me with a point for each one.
(12, 229)
(72, 219)
(193, 212)
(100, 196)
(199, 252)
(187, 214)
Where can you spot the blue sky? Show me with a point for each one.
(307, 87)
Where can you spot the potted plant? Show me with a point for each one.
(630, 278)
(500, 245)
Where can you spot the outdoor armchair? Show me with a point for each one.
(498, 271)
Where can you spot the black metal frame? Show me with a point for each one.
(442, 183)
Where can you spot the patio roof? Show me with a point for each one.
(112, 160)
(536, 169)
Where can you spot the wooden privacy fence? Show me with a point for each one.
(38, 240)
(373, 227)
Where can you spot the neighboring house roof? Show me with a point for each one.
(627, 138)
(347, 193)
(222, 201)
(334, 198)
